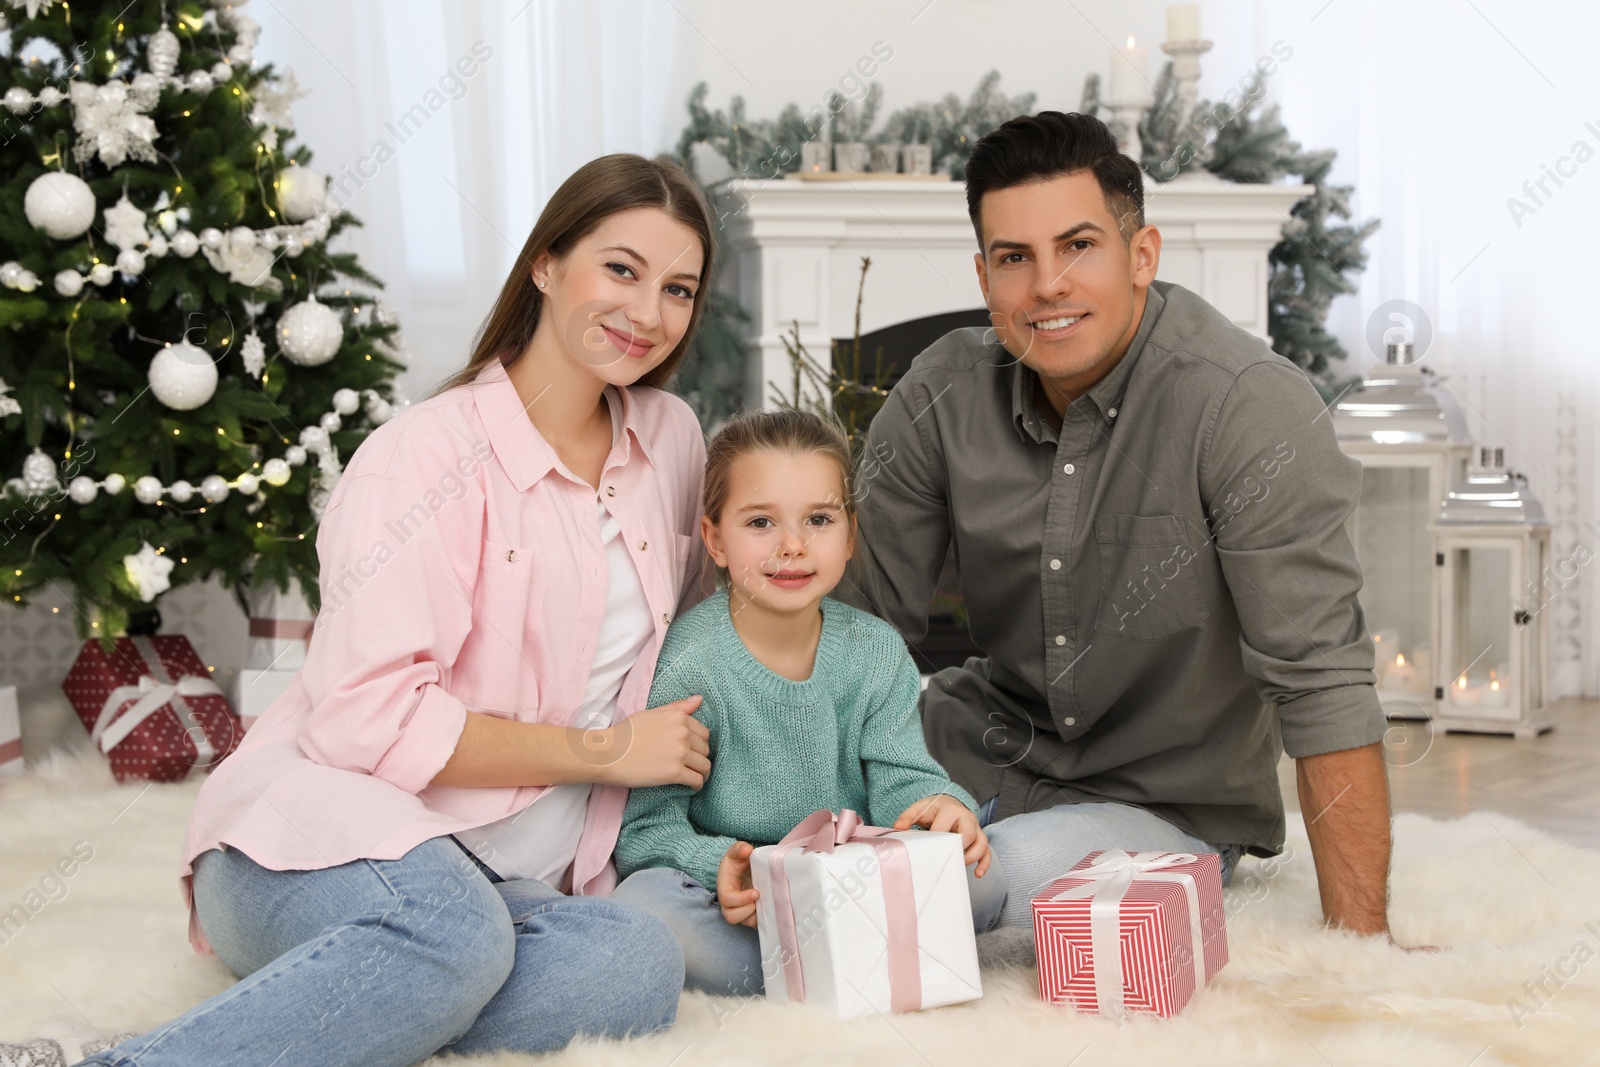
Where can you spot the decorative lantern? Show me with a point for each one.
(1413, 446)
(1490, 544)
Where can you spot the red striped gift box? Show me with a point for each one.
(1131, 933)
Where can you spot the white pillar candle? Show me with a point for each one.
(1183, 22)
(1128, 65)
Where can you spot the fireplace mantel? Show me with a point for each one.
(795, 251)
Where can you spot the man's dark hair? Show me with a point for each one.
(1031, 148)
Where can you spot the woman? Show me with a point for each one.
(499, 564)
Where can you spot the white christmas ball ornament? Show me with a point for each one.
(180, 491)
(345, 401)
(275, 472)
(182, 376)
(185, 243)
(302, 193)
(101, 274)
(214, 487)
(156, 247)
(222, 72)
(379, 411)
(248, 484)
(200, 81)
(147, 490)
(18, 99)
(60, 204)
(211, 237)
(145, 84)
(69, 283)
(113, 484)
(163, 53)
(242, 236)
(294, 455)
(130, 261)
(314, 438)
(83, 489)
(330, 422)
(310, 333)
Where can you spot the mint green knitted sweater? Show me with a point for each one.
(850, 736)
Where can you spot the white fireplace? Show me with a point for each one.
(795, 251)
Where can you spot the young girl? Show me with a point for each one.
(810, 704)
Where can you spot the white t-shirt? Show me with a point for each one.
(541, 840)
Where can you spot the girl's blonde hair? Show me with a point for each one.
(795, 432)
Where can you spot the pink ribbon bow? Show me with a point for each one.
(822, 831)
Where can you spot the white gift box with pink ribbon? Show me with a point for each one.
(865, 920)
(1131, 933)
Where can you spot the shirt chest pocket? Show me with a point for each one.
(1149, 587)
(495, 674)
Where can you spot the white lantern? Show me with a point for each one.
(1413, 446)
(1491, 543)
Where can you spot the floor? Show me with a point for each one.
(1551, 782)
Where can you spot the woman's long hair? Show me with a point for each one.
(595, 191)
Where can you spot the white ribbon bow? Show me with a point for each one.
(151, 694)
(1109, 881)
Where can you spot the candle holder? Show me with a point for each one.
(1186, 73)
(816, 156)
(1125, 125)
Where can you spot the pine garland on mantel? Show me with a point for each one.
(1316, 260)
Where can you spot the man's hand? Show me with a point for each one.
(735, 893)
(1344, 798)
(944, 812)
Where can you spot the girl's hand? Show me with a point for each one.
(658, 746)
(944, 812)
(735, 892)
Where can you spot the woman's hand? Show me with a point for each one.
(658, 746)
(944, 812)
(736, 894)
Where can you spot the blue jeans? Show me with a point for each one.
(377, 962)
(1037, 847)
(724, 959)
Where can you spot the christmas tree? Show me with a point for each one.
(184, 359)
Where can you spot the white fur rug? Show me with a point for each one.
(1516, 983)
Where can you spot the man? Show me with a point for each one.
(1147, 506)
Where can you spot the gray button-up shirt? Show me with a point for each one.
(1164, 589)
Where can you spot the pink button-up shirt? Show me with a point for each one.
(461, 568)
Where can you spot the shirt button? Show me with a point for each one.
(1070, 721)
(1069, 468)
(1060, 639)
(643, 545)
(511, 555)
(611, 490)
(1055, 564)
(663, 616)
(1111, 414)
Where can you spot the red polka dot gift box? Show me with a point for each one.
(152, 707)
(1131, 933)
